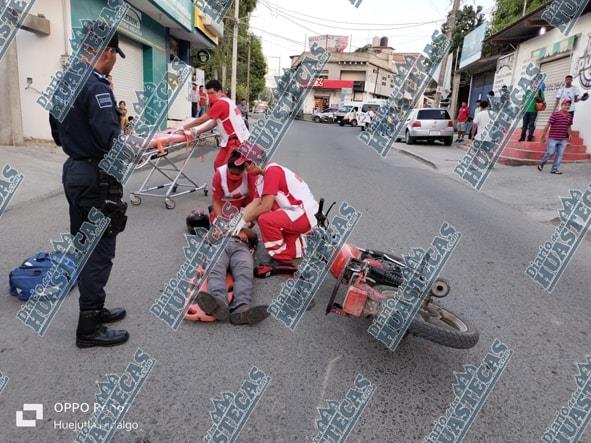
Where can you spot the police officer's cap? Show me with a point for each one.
(114, 43)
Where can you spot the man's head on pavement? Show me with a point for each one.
(249, 236)
(214, 90)
(568, 80)
(108, 57)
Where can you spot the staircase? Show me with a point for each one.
(518, 153)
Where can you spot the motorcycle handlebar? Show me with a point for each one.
(320, 206)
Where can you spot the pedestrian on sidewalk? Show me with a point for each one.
(243, 106)
(531, 114)
(471, 120)
(203, 102)
(480, 121)
(559, 126)
(194, 98)
(569, 92)
(461, 121)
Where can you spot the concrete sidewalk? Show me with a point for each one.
(523, 187)
(41, 167)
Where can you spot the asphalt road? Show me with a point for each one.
(403, 204)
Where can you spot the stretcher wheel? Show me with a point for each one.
(174, 188)
(205, 192)
(135, 200)
(170, 204)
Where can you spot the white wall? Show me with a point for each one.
(39, 58)
(582, 46)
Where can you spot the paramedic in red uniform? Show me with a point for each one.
(233, 184)
(230, 124)
(284, 210)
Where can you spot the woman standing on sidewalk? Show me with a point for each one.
(559, 125)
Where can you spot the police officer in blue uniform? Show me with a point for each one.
(86, 135)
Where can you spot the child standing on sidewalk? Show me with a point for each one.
(559, 125)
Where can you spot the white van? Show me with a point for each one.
(354, 112)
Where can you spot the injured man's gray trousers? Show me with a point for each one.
(239, 261)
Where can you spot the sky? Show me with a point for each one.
(284, 25)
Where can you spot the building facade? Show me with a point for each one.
(151, 34)
(353, 76)
(556, 55)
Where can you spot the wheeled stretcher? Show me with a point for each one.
(156, 156)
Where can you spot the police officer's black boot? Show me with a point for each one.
(112, 315)
(91, 332)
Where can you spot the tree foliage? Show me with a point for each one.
(508, 11)
(222, 55)
(467, 19)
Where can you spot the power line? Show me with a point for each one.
(285, 10)
(349, 28)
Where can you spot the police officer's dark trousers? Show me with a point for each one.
(81, 184)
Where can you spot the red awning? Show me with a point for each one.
(333, 84)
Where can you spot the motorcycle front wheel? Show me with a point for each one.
(439, 325)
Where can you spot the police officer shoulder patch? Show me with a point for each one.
(104, 100)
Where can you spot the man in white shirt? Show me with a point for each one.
(194, 97)
(480, 121)
(568, 92)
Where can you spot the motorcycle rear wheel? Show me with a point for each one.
(439, 325)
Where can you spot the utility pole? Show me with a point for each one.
(524, 7)
(248, 74)
(235, 48)
(450, 32)
(455, 89)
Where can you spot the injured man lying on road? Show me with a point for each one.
(236, 259)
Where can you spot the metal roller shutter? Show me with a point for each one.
(555, 72)
(128, 73)
(180, 108)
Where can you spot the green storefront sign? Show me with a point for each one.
(182, 11)
(135, 24)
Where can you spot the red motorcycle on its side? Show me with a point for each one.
(372, 277)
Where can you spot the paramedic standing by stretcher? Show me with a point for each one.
(228, 119)
(284, 210)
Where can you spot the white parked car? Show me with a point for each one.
(326, 116)
(428, 124)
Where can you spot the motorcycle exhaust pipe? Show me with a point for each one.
(440, 288)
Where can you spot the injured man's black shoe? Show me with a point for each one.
(274, 267)
(112, 315)
(91, 332)
(213, 306)
(245, 315)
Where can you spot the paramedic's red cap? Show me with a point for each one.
(114, 43)
(241, 160)
(566, 100)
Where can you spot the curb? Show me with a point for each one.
(417, 157)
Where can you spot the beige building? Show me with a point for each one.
(354, 76)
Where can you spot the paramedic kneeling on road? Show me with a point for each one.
(231, 183)
(230, 123)
(284, 211)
